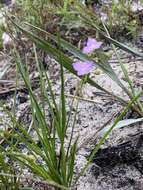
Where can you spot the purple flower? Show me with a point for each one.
(83, 67)
(91, 45)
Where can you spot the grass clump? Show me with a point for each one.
(52, 159)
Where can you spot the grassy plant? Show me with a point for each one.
(56, 167)
(53, 161)
(6, 182)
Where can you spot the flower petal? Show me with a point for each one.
(92, 44)
(83, 67)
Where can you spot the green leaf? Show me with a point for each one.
(120, 124)
(72, 162)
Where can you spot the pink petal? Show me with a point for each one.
(92, 44)
(83, 68)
